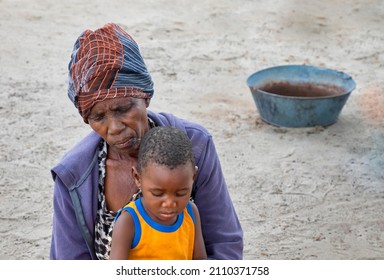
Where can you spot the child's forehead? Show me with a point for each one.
(162, 174)
(152, 164)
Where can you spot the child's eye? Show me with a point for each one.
(157, 194)
(180, 194)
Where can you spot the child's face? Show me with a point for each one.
(166, 191)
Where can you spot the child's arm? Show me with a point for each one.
(122, 237)
(199, 252)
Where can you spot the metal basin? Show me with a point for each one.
(300, 95)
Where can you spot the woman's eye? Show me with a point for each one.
(96, 118)
(124, 109)
(121, 110)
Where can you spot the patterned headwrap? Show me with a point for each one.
(106, 63)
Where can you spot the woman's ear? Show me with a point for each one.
(136, 177)
(147, 102)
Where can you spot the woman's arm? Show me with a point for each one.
(199, 252)
(67, 241)
(222, 232)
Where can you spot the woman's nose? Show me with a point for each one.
(115, 126)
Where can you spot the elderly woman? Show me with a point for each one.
(110, 86)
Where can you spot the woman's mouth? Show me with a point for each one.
(128, 143)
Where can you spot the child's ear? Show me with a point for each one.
(195, 174)
(136, 176)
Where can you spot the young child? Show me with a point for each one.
(163, 223)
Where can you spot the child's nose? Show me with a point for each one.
(169, 203)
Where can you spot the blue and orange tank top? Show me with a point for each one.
(154, 241)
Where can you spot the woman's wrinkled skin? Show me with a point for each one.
(121, 122)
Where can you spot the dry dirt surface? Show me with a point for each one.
(305, 193)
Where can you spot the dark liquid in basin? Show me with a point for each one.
(302, 89)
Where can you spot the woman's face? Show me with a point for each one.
(121, 122)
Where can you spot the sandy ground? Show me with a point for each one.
(307, 193)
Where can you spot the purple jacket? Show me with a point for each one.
(76, 188)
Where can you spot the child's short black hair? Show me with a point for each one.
(167, 146)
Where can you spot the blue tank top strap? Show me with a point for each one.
(136, 222)
(118, 214)
(190, 211)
